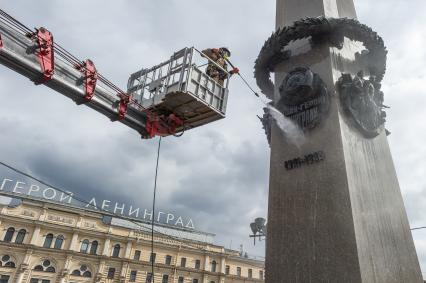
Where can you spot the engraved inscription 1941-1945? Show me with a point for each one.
(308, 159)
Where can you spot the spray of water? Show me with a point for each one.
(290, 130)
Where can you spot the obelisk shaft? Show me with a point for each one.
(341, 220)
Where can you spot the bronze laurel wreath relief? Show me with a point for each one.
(361, 98)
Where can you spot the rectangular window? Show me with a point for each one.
(111, 273)
(239, 271)
(148, 277)
(180, 279)
(152, 257)
(183, 262)
(260, 274)
(195, 280)
(165, 278)
(197, 264)
(133, 276)
(168, 259)
(137, 255)
(250, 273)
(5, 278)
(227, 268)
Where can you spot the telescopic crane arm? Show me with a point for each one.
(35, 55)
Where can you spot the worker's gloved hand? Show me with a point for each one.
(234, 71)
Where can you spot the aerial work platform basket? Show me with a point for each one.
(181, 87)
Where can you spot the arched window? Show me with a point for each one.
(58, 242)
(214, 264)
(45, 266)
(116, 251)
(137, 255)
(94, 248)
(9, 234)
(7, 261)
(48, 241)
(82, 271)
(84, 246)
(20, 237)
(10, 264)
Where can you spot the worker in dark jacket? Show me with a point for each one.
(219, 56)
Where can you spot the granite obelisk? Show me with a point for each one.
(336, 213)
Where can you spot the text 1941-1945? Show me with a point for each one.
(308, 159)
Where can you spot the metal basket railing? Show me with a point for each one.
(184, 72)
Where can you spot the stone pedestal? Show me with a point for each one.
(341, 219)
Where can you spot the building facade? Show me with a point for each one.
(42, 242)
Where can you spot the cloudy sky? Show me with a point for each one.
(216, 174)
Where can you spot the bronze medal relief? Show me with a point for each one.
(362, 101)
(303, 98)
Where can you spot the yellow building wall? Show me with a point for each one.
(41, 219)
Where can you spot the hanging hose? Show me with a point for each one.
(244, 80)
(153, 212)
(255, 93)
(265, 100)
